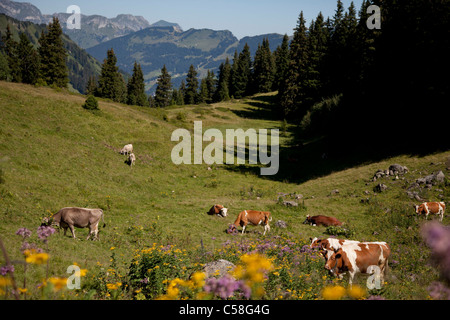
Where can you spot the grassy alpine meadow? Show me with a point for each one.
(158, 236)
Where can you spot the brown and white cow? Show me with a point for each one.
(322, 221)
(359, 258)
(253, 217)
(218, 210)
(79, 218)
(437, 208)
(329, 245)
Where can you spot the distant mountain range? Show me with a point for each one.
(133, 38)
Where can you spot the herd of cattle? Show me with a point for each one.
(341, 256)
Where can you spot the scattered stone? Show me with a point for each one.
(380, 188)
(281, 224)
(394, 170)
(218, 268)
(432, 179)
(335, 191)
(290, 203)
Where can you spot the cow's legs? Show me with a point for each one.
(243, 229)
(72, 229)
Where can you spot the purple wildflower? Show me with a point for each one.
(438, 291)
(24, 233)
(44, 232)
(224, 287)
(6, 269)
(437, 238)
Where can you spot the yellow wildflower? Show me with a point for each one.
(37, 258)
(333, 293)
(356, 292)
(58, 283)
(198, 279)
(113, 286)
(4, 282)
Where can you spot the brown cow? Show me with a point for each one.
(79, 218)
(426, 208)
(322, 220)
(218, 210)
(359, 258)
(254, 218)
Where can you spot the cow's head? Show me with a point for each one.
(308, 219)
(335, 262)
(417, 209)
(223, 212)
(315, 243)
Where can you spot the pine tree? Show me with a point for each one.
(10, 49)
(191, 93)
(242, 77)
(281, 62)
(28, 60)
(211, 83)
(53, 56)
(232, 83)
(111, 84)
(263, 68)
(5, 73)
(317, 47)
(223, 93)
(136, 88)
(163, 93)
(291, 94)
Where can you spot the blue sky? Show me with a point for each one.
(242, 17)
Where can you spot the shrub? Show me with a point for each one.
(91, 103)
(340, 231)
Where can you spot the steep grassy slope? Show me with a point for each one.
(55, 154)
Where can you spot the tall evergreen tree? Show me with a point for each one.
(223, 93)
(136, 88)
(243, 74)
(111, 84)
(191, 93)
(281, 62)
(163, 93)
(233, 78)
(10, 48)
(5, 73)
(317, 47)
(53, 56)
(29, 62)
(290, 93)
(263, 68)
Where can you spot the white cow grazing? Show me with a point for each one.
(128, 149)
(132, 159)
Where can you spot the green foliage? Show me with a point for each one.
(136, 88)
(340, 232)
(29, 61)
(163, 90)
(111, 84)
(191, 95)
(91, 103)
(53, 56)
(5, 72)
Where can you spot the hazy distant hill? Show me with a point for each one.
(155, 46)
(95, 29)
